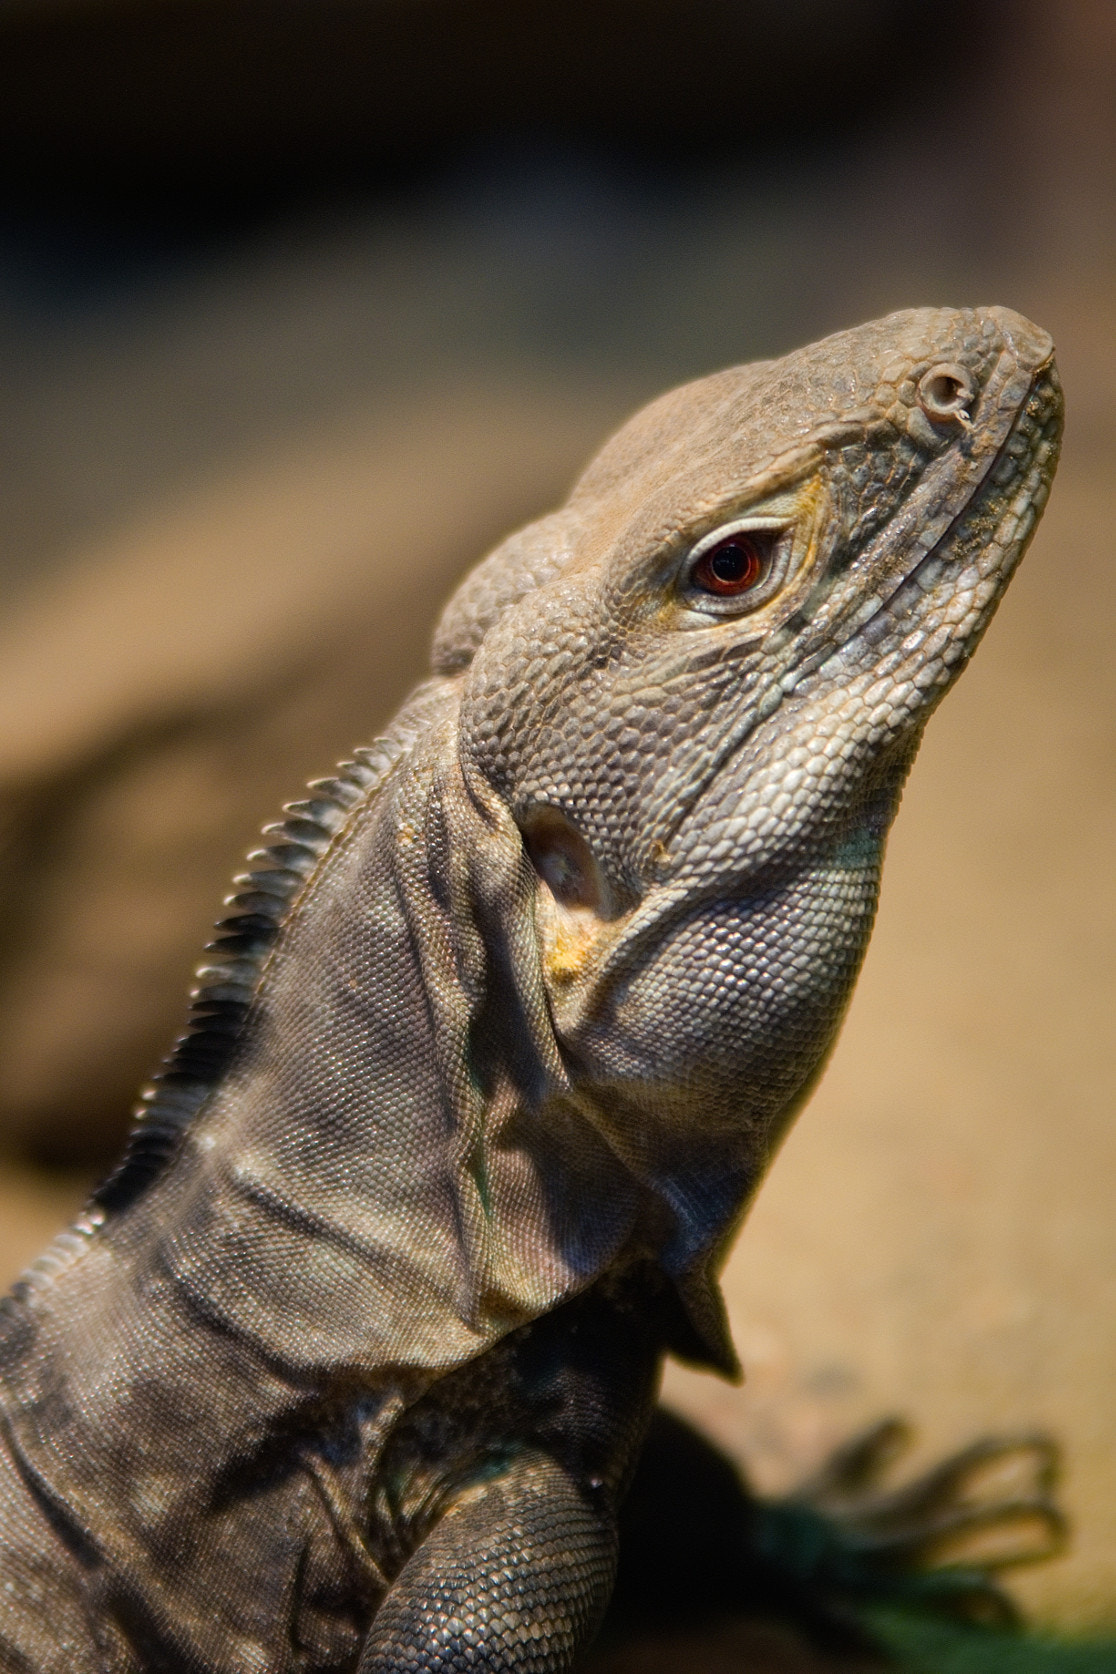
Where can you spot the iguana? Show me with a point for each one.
(349, 1363)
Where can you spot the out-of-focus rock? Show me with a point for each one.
(164, 693)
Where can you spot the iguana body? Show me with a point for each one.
(350, 1363)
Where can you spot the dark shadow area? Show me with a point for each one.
(195, 112)
(714, 1577)
(693, 1573)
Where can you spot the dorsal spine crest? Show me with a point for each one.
(226, 985)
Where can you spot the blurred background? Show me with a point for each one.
(305, 303)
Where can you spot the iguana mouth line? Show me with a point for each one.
(984, 490)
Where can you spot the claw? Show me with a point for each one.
(953, 1539)
(857, 1464)
(973, 1491)
(958, 1479)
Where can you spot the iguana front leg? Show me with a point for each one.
(515, 1575)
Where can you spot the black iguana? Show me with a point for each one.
(348, 1365)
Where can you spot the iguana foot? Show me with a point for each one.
(938, 1542)
(698, 1552)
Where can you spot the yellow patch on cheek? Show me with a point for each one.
(570, 900)
(567, 950)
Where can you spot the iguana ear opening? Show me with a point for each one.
(564, 861)
(526, 560)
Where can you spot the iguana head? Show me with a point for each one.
(697, 690)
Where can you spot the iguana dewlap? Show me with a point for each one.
(348, 1365)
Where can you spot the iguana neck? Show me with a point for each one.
(370, 1182)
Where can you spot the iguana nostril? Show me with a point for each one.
(945, 393)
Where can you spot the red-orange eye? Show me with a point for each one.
(736, 564)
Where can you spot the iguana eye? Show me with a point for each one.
(736, 564)
(737, 568)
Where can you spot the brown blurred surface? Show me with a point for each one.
(234, 502)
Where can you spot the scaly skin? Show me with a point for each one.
(349, 1365)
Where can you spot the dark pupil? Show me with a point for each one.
(732, 562)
